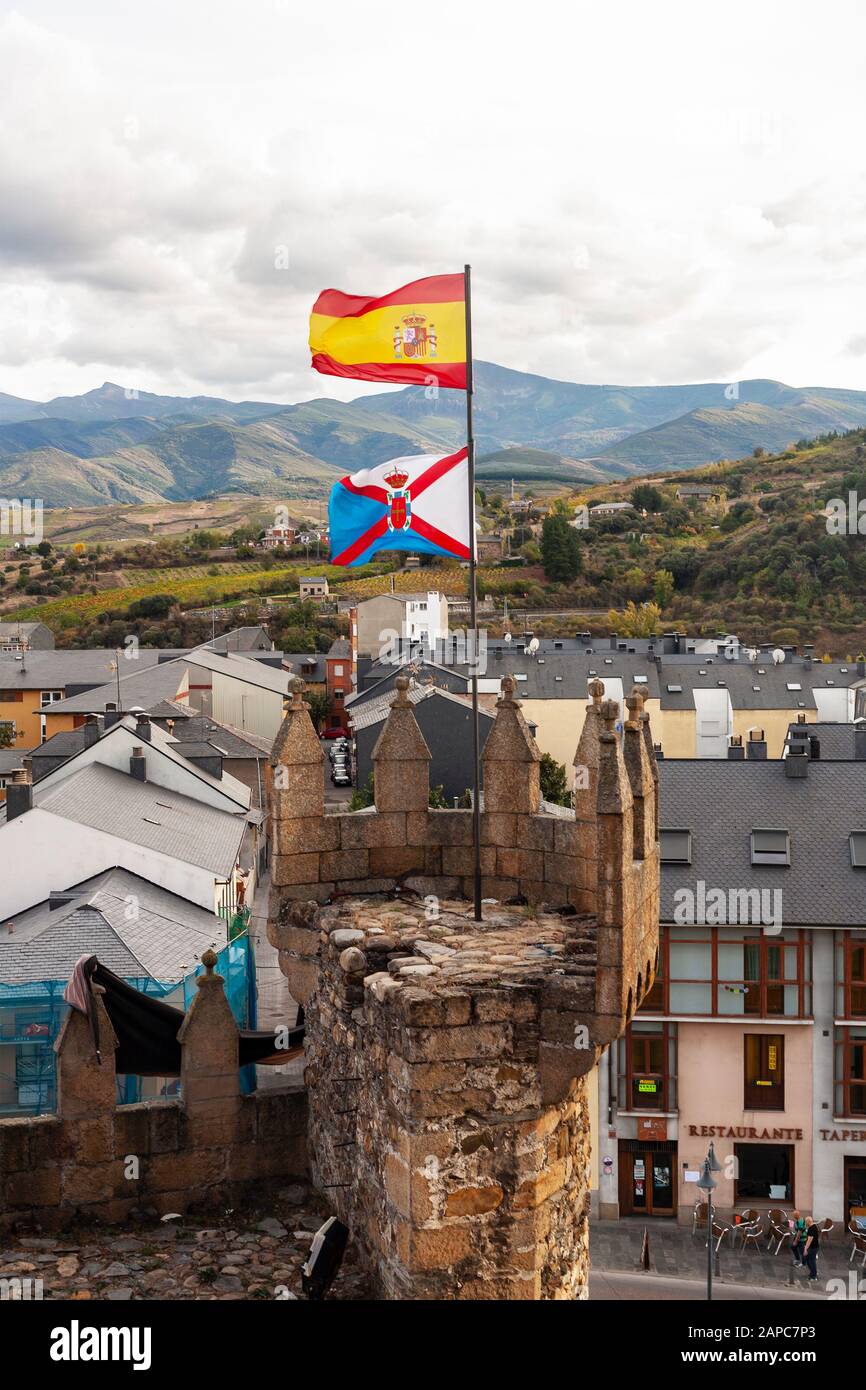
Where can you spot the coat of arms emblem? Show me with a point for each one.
(414, 337)
(399, 501)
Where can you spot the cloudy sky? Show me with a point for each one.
(647, 193)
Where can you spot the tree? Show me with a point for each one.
(663, 587)
(319, 704)
(647, 498)
(634, 621)
(6, 735)
(362, 796)
(554, 783)
(560, 549)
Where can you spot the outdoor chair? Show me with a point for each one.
(719, 1233)
(699, 1217)
(825, 1227)
(754, 1233)
(780, 1233)
(858, 1247)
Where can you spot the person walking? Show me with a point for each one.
(811, 1248)
(798, 1236)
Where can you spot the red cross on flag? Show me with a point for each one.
(420, 504)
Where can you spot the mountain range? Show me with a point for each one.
(114, 444)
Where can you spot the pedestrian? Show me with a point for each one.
(810, 1249)
(798, 1236)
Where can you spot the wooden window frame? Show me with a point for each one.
(800, 943)
(752, 1093)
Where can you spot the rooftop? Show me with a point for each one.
(722, 802)
(148, 815)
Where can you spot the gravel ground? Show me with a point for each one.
(242, 1254)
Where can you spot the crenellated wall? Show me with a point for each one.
(446, 1059)
(97, 1161)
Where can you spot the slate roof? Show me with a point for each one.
(140, 689)
(837, 741)
(297, 660)
(242, 668)
(148, 815)
(341, 646)
(11, 759)
(63, 666)
(205, 733)
(240, 639)
(721, 802)
(164, 940)
(740, 679)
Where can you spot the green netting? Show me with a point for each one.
(31, 1016)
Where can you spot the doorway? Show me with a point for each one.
(647, 1173)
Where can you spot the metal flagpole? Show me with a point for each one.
(473, 614)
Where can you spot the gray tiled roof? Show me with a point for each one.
(63, 667)
(837, 741)
(148, 815)
(721, 802)
(376, 710)
(163, 939)
(206, 734)
(242, 668)
(141, 688)
(739, 678)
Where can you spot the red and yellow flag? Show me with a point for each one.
(415, 334)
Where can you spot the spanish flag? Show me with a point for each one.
(416, 334)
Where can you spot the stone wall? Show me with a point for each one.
(99, 1161)
(447, 1058)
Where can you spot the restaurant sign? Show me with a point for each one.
(741, 1132)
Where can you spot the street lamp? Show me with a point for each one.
(707, 1183)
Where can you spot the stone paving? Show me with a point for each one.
(674, 1251)
(234, 1255)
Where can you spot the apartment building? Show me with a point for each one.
(754, 1036)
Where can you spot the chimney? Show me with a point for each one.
(111, 717)
(757, 745)
(801, 718)
(657, 749)
(861, 665)
(91, 731)
(142, 727)
(19, 792)
(211, 763)
(797, 761)
(614, 638)
(808, 649)
(736, 751)
(138, 764)
(57, 899)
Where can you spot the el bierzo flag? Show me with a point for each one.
(419, 504)
(416, 334)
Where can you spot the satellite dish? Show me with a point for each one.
(507, 637)
(730, 653)
(751, 654)
(533, 647)
(778, 656)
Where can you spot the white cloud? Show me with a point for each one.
(647, 194)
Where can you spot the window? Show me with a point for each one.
(849, 1091)
(49, 697)
(771, 847)
(676, 846)
(338, 670)
(857, 846)
(11, 697)
(675, 690)
(647, 1073)
(725, 972)
(764, 1172)
(764, 1071)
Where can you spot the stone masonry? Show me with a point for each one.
(447, 1059)
(97, 1161)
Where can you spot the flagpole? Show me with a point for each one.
(473, 603)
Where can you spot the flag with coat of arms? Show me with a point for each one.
(420, 504)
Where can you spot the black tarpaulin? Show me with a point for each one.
(147, 1028)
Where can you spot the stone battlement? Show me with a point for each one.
(447, 1059)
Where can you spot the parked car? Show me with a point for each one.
(340, 777)
(335, 733)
